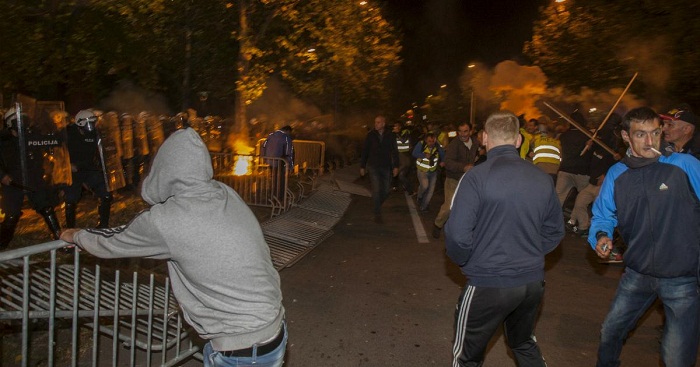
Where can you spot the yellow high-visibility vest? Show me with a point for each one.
(424, 164)
(547, 150)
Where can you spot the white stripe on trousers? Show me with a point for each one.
(462, 324)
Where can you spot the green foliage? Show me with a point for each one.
(58, 49)
(600, 44)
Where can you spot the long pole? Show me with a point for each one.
(471, 110)
(583, 129)
(605, 120)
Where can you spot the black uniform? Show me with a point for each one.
(87, 169)
(41, 194)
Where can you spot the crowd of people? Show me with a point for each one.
(634, 182)
(505, 188)
(92, 151)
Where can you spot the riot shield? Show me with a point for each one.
(156, 135)
(50, 121)
(110, 151)
(127, 134)
(141, 135)
(42, 156)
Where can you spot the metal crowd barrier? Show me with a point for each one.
(53, 301)
(309, 159)
(259, 181)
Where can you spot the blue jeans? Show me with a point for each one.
(635, 294)
(380, 178)
(275, 358)
(426, 187)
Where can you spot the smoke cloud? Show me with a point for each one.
(132, 99)
(522, 89)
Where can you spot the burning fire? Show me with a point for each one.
(243, 165)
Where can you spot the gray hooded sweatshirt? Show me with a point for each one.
(218, 260)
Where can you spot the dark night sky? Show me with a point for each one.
(440, 37)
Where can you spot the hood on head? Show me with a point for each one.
(181, 164)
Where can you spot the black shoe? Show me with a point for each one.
(571, 227)
(436, 231)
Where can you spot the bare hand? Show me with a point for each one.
(603, 247)
(67, 235)
(362, 172)
(6, 180)
(395, 172)
(468, 167)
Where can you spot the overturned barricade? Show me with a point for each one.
(61, 308)
(56, 308)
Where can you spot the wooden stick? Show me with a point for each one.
(605, 120)
(583, 129)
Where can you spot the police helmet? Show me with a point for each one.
(86, 119)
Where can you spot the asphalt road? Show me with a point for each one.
(373, 295)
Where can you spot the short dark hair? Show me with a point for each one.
(639, 114)
(286, 128)
(465, 123)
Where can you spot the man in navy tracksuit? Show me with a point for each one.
(653, 201)
(505, 217)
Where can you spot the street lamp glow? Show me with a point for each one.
(471, 65)
(363, 3)
(311, 50)
(559, 1)
(443, 86)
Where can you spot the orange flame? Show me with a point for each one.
(243, 165)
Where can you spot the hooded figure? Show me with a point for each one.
(218, 260)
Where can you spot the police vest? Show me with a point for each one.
(428, 164)
(402, 141)
(547, 150)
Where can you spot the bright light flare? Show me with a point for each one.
(243, 165)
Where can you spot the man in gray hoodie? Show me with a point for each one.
(218, 260)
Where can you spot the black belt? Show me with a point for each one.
(262, 348)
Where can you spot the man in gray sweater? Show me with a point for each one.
(218, 260)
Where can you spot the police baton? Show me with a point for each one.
(581, 128)
(611, 112)
(20, 186)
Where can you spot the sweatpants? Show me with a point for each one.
(481, 310)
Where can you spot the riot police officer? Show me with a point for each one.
(22, 173)
(87, 168)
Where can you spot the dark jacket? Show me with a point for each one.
(279, 145)
(656, 209)
(505, 217)
(457, 156)
(572, 143)
(380, 151)
(83, 149)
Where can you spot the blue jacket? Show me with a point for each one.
(656, 209)
(505, 217)
(279, 145)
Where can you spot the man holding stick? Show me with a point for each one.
(653, 201)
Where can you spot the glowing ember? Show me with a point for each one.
(243, 165)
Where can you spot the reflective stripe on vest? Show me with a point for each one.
(547, 154)
(402, 141)
(423, 164)
(402, 145)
